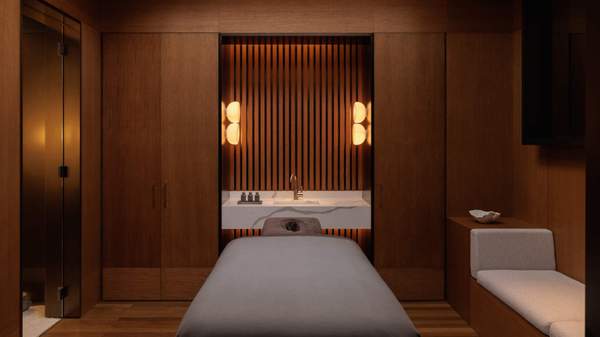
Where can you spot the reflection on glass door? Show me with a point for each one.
(50, 211)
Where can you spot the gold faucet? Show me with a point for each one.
(298, 192)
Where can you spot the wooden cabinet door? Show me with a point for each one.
(190, 126)
(131, 166)
(409, 124)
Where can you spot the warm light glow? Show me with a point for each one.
(369, 112)
(223, 112)
(369, 134)
(223, 134)
(223, 120)
(233, 112)
(359, 112)
(40, 136)
(233, 133)
(359, 134)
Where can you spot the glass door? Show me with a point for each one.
(50, 229)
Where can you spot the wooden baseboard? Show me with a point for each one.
(182, 283)
(490, 317)
(414, 284)
(130, 284)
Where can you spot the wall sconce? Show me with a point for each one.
(232, 132)
(360, 113)
(359, 134)
(233, 112)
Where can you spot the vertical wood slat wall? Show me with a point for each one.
(359, 235)
(296, 96)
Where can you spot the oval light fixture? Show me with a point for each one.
(233, 112)
(359, 112)
(369, 111)
(359, 134)
(369, 134)
(233, 133)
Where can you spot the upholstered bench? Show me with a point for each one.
(518, 267)
(567, 329)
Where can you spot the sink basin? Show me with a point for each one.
(295, 202)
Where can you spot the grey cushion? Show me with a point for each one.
(542, 297)
(568, 329)
(511, 249)
(277, 226)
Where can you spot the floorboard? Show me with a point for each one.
(161, 319)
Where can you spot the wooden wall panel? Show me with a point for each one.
(131, 284)
(131, 150)
(549, 187)
(189, 86)
(489, 16)
(160, 109)
(410, 163)
(286, 16)
(479, 123)
(361, 236)
(182, 284)
(312, 16)
(318, 80)
(86, 11)
(91, 181)
(10, 125)
(566, 209)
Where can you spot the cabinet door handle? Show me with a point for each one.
(153, 196)
(165, 195)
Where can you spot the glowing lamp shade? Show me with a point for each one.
(233, 133)
(359, 134)
(233, 112)
(369, 134)
(369, 111)
(359, 112)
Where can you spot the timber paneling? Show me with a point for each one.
(309, 16)
(410, 163)
(549, 186)
(189, 245)
(361, 236)
(296, 96)
(91, 182)
(10, 125)
(131, 150)
(479, 123)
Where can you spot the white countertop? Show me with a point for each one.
(310, 199)
(334, 209)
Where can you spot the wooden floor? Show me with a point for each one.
(160, 319)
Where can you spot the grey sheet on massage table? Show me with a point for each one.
(294, 286)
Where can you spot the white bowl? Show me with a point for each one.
(484, 216)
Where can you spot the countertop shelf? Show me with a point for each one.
(334, 209)
(503, 222)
